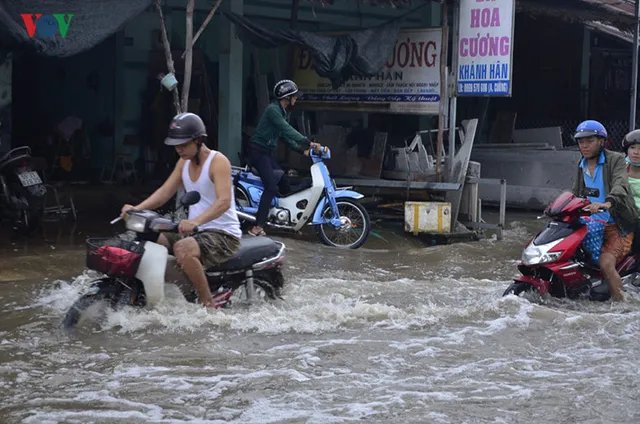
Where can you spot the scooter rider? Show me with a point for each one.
(605, 170)
(631, 146)
(272, 125)
(211, 234)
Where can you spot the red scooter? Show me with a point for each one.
(555, 261)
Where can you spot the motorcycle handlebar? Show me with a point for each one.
(195, 230)
(120, 217)
(581, 212)
(320, 150)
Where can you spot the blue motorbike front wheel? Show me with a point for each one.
(355, 229)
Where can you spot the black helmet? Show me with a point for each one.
(285, 88)
(630, 139)
(183, 128)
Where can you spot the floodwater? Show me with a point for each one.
(392, 332)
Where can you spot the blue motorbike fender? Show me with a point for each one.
(317, 215)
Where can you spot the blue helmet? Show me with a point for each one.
(589, 129)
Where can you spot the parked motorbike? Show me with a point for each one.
(22, 192)
(556, 262)
(341, 221)
(135, 270)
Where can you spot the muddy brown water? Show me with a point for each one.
(392, 332)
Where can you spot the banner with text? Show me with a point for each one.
(485, 47)
(409, 81)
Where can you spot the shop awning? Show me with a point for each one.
(92, 22)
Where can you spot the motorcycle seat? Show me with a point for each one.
(252, 250)
(277, 172)
(6, 160)
(18, 153)
(303, 185)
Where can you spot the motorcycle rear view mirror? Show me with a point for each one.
(591, 192)
(190, 198)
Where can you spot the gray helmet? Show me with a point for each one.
(630, 139)
(285, 88)
(183, 128)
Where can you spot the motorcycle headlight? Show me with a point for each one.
(535, 255)
(162, 225)
(136, 223)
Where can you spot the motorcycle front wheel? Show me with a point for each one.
(355, 229)
(108, 290)
(74, 314)
(31, 218)
(518, 288)
(524, 290)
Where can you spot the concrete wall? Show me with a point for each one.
(135, 41)
(5, 105)
(534, 177)
(5, 82)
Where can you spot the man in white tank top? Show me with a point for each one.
(218, 229)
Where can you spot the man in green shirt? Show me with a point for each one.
(264, 142)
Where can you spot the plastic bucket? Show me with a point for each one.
(169, 81)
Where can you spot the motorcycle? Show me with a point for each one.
(22, 192)
(556, 262)
(135, 270)
(341, 221)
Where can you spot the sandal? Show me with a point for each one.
(260, 233)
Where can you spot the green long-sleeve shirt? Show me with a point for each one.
(273, 125)
(617, 190)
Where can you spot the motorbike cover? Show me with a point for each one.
(151, 272)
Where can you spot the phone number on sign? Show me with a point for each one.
(484, 87)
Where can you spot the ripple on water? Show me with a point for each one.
(398, 339)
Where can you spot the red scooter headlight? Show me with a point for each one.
(536, 255)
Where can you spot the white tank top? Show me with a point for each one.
(228, 221)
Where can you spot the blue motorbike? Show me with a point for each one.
(341, 221)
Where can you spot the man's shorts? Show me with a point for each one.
(616, 244)
(215, 246)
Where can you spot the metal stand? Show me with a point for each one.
(58, 210)
(478, 222)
